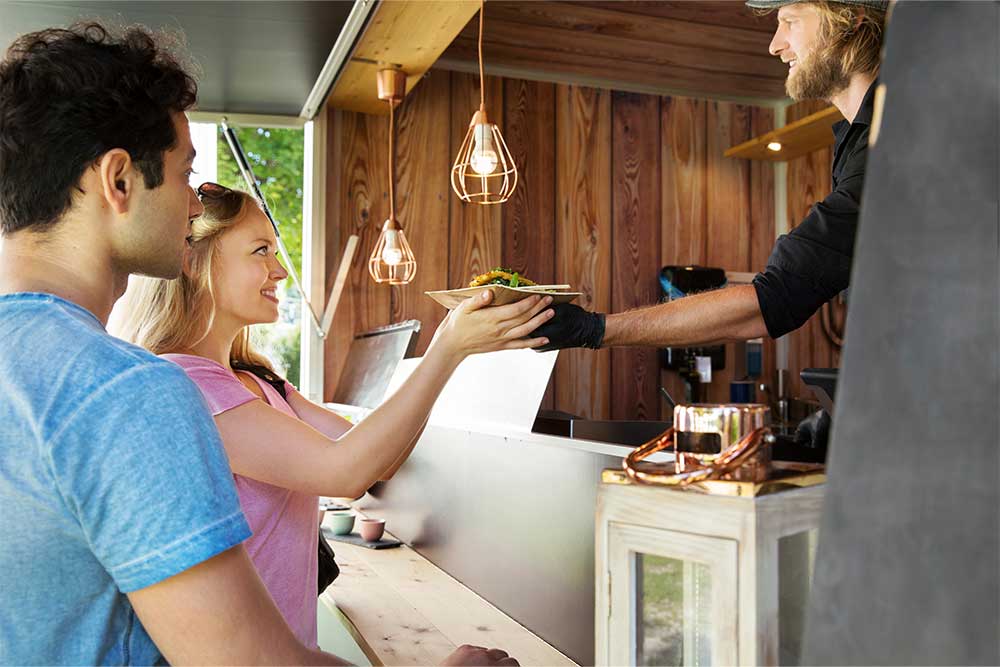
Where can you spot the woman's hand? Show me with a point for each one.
(473, 327)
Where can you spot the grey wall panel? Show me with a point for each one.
(908, 559)
(512, 520)
(253, 56)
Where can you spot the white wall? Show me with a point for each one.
(205, 137)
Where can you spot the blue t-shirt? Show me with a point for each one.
(112, 478)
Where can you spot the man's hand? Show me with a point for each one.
(477, 655)
(475, 326)
(572, 326)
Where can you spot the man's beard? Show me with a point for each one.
(819, 76)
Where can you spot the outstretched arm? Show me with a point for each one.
(309, 461)
(708, 318)
(332, 425)
(720, 316)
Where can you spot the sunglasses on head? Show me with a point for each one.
(209, 190)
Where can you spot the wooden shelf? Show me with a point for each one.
(406, 34)
(803, 136)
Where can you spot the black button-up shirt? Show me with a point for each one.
(811, 264)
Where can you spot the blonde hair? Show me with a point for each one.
(855, 34)
(174, 315)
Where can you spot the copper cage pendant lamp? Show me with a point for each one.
(484, 171)
(391, 260)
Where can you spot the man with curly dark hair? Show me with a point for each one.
(121, 524)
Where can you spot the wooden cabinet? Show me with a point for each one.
(692, 578)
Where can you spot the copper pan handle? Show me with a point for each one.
(729, 460)
(640, 472)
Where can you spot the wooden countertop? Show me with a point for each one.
(407, 611)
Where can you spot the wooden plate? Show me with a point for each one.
(502, 295)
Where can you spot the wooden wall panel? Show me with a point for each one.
(636, 231)
(422, 195)
(762, 232)
(683, 144)
(684, 225)
(528, 217)
(338, 341)
(365, 208)
(762, 229)
(728, 212)
(475, 233)
(612, 187)
(361, 196)
(583, 238)
(808, 183)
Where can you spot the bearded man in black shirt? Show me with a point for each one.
(832, 50)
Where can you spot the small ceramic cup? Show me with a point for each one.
(327, 505)
(340, 523)
(371, 529)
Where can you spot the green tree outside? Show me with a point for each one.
(276, 156)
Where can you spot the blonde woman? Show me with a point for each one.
(283, 449)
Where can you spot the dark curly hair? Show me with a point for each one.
(67, 96)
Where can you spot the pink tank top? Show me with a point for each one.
(284, 523)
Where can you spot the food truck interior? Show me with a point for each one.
(640, 133)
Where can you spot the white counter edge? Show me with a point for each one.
(497, 431)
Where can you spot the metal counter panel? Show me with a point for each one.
(510, 519)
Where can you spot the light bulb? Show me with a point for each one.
(774, 146)
(484, 158)
(392, 254)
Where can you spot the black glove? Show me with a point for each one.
(571, 326)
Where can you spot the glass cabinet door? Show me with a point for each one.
(673, 612)
(673, 598)
(796, 557)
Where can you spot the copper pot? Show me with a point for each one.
(702, 432)
(721, 441)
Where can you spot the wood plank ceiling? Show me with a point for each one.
(710, 48)
(407, 34)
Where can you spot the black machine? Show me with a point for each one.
(823, 382)
(809, 442)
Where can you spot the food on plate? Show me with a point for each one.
(507, 287)
(501, 276)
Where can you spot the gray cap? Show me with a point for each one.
(882, 5)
